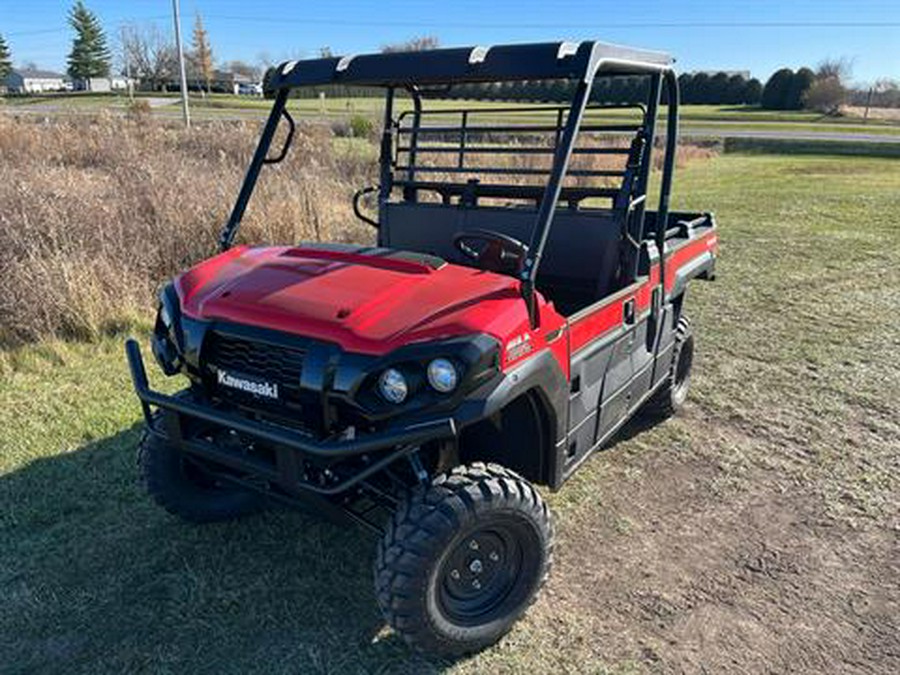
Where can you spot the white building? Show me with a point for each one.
(34, 81)
(103, 84)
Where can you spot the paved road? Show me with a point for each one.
(168, 108)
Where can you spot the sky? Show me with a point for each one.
(756, 35)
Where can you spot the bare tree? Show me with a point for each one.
(825, 95)
(839, 69)
(828, 92)
(242, 68)
(151, 56)
(416, 44)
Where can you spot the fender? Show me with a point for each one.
(540, 374)
(704, 265)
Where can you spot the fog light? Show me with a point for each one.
(442, 375)
(392, 386)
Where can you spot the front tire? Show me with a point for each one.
(182, 487)
(462, 560)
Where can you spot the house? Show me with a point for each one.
(103, 84)
(222, 82)
(34, 81)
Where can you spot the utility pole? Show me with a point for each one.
(129, 85)
(184, 93)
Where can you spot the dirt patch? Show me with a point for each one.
(708, 579)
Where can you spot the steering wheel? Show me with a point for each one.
(498, 253)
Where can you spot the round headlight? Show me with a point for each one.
(442, 375)
(392, 386)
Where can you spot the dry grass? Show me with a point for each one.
(97, 212)
(890, 114)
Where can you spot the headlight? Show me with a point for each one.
(392, 386)
(442, 375)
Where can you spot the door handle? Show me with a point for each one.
(628, 311)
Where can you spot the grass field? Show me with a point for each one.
(757, 532)
(718, 119)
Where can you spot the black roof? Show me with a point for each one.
(540, 61)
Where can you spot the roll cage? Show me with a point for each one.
(424, 74)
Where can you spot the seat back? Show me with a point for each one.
(582, 249)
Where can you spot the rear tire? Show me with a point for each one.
(672, 394)
(183, 488)
(462, 560)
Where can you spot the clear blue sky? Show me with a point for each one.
(755, 35)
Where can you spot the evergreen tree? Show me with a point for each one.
(90, 56)
(776, 93)
(5, 61)
(735, 91)
(202, 57)
(800, 84)
(753, 92)
(718, 89)
(701, 88)
(686, 88)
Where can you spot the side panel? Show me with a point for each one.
(602, 339)
(620, 353)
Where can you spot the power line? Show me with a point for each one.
(630, 24)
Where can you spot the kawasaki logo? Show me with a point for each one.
(265, 389)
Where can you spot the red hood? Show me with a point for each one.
(364, 302)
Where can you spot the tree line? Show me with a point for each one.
(151, 58)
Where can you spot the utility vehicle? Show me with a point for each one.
(521, 303)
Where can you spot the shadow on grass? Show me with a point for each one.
(96, 578)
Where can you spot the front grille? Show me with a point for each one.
(274, 364)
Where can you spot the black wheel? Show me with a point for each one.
(461, 561)
(672, 394)
(184, 488)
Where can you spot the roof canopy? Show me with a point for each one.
(540, 61)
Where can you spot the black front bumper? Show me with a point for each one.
(390, 444)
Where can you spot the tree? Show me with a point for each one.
(825, 95)
(417, 44)
(753, 91)
(242, 68)
(90, 56)
(838, 69)
(686, 87)
(803, 79)
(152, 59)
(700, 86)
(201, 56)
(775, 93)
(735, 90)
(5, 61)
(718, 88)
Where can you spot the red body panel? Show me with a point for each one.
(373, 305)
(687, 252)
(364, 303)
(606, 316)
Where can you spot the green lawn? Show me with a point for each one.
(719, 119)
(786, 461)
